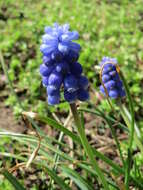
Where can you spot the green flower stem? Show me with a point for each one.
(87, 147)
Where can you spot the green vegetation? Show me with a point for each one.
(106, 28)
(111, 28)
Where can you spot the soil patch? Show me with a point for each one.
(7, 120)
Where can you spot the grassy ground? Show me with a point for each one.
(107, 28)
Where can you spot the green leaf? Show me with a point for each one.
(58, 180)
(79, 181)
(13, 180)
(98, 154)
(58, 126)
(99, 113)
(131, 110)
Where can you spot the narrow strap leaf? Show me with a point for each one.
(58, 180)
(13, 180)
(79, 181)
(58, 126)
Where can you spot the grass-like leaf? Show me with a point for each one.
(58, 126)
(57, 179)
(13, 180)
(79, 180)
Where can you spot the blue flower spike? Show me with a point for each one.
(60, 66)
(112, 85)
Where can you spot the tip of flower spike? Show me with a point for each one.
(108, 60)
(66, 27)
(73, 36)
(108, 68)
(59, 39)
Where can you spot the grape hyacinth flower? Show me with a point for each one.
(60, 67)
(111, 82)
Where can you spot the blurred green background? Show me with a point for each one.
(107, 28)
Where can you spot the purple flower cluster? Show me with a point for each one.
(60, 66)
(111, 79)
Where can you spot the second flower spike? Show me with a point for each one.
(111, 84)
